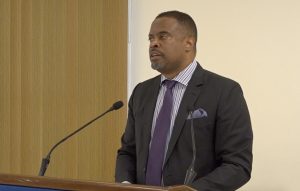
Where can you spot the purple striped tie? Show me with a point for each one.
(158, 142)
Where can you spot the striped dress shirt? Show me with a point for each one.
(182, 79)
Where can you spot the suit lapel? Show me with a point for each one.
(149, 104)
(190, 96)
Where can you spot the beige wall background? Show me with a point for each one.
(62, 63)
(257, 43)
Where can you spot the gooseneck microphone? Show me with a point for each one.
(190, 173)
(45, 162)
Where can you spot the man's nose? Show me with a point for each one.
(154, 43)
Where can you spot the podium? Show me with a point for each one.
(34, 183)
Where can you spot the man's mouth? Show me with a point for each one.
(155, 54)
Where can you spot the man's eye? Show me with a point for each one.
(164, 36)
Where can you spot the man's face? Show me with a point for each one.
(167, 45)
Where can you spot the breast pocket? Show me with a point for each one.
(204, 133)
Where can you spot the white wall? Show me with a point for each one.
(257, 43)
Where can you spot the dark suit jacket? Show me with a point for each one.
(223, 138)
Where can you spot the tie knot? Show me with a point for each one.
(170, 83)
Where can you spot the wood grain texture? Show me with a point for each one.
(62, 62)
(76, 185)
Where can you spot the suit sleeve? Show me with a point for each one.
(233, 144)
(126, 156)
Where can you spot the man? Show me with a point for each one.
(185, 102)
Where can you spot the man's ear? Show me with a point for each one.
(190, 44)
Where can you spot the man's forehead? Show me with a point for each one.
(164, 21)
(163, 24)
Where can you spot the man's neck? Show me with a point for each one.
(172, 75)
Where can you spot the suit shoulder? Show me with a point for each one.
(151, 80)
(147, 83)
(146, 87)
(219, 80)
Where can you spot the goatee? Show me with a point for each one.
(156, 66)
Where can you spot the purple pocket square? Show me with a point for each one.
(198, 113)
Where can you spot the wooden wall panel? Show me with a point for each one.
(15, 88)
(5, 85)
(62, 62)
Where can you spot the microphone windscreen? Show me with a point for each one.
(117, 105)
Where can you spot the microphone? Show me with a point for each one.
(45, 162)
(190, 173)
